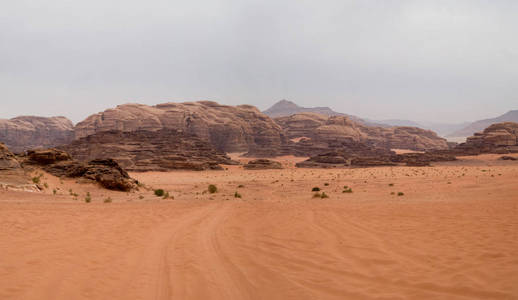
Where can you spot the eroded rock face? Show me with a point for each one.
(144, 150)
(262, 164)
(106, 172)
(497, 138)
(228, 128)
(324, 130)
(28, 132)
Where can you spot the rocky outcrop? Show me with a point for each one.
(326, 131)
(497, 138)
(106, 172)
(508, 158)
(262, 164)
(339, 159)
(7, 159)
(239, 128)
(28, 132)
(144, 150)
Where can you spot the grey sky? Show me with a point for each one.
(421, 60)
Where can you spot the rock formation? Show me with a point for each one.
(323, 130)
(497, 138)
(239, 128)
(27, 132)
(340, 159)
(262, 164)
(144, 150)
(58, 163)
(7, 159)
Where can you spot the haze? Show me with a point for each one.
(442, 61)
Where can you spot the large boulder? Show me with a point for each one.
(106, 172)
(144, 150)
(239, 128)
(29, 132)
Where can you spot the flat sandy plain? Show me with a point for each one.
(452, 235)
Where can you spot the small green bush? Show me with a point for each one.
(212, 188)
(159, 193)
(315, 189)
(36, 180)
(54, 191)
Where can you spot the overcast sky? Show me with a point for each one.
(443, 61)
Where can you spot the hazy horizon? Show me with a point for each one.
(425, 61)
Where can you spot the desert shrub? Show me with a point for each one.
(166, 195)
(240, 186)
(88, 198)
(36, 179)
(237, 195)
(391, 184)
(400, 194)
(46, 185)
(159, 193)
(141, 197)
(326, 184)
(347, 190)
(54, 191)
(324, 195)
(315, 189)
(212, 188)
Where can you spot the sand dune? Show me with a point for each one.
(453, 235)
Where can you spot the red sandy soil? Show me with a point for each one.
(452, 235)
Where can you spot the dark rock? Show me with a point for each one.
(262, 164)
(508, 158)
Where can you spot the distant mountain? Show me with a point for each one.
(397, 122)
(285, 108)
(477, 126)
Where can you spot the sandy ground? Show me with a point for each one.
(452, 235)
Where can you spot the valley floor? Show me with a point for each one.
(452, 235)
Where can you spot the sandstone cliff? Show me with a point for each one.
(145, 150)
(28, 132)
(323, 129)
(497, 138)
(228, 128)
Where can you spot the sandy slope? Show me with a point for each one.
(453, 235)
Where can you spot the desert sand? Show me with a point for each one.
(452, 235)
